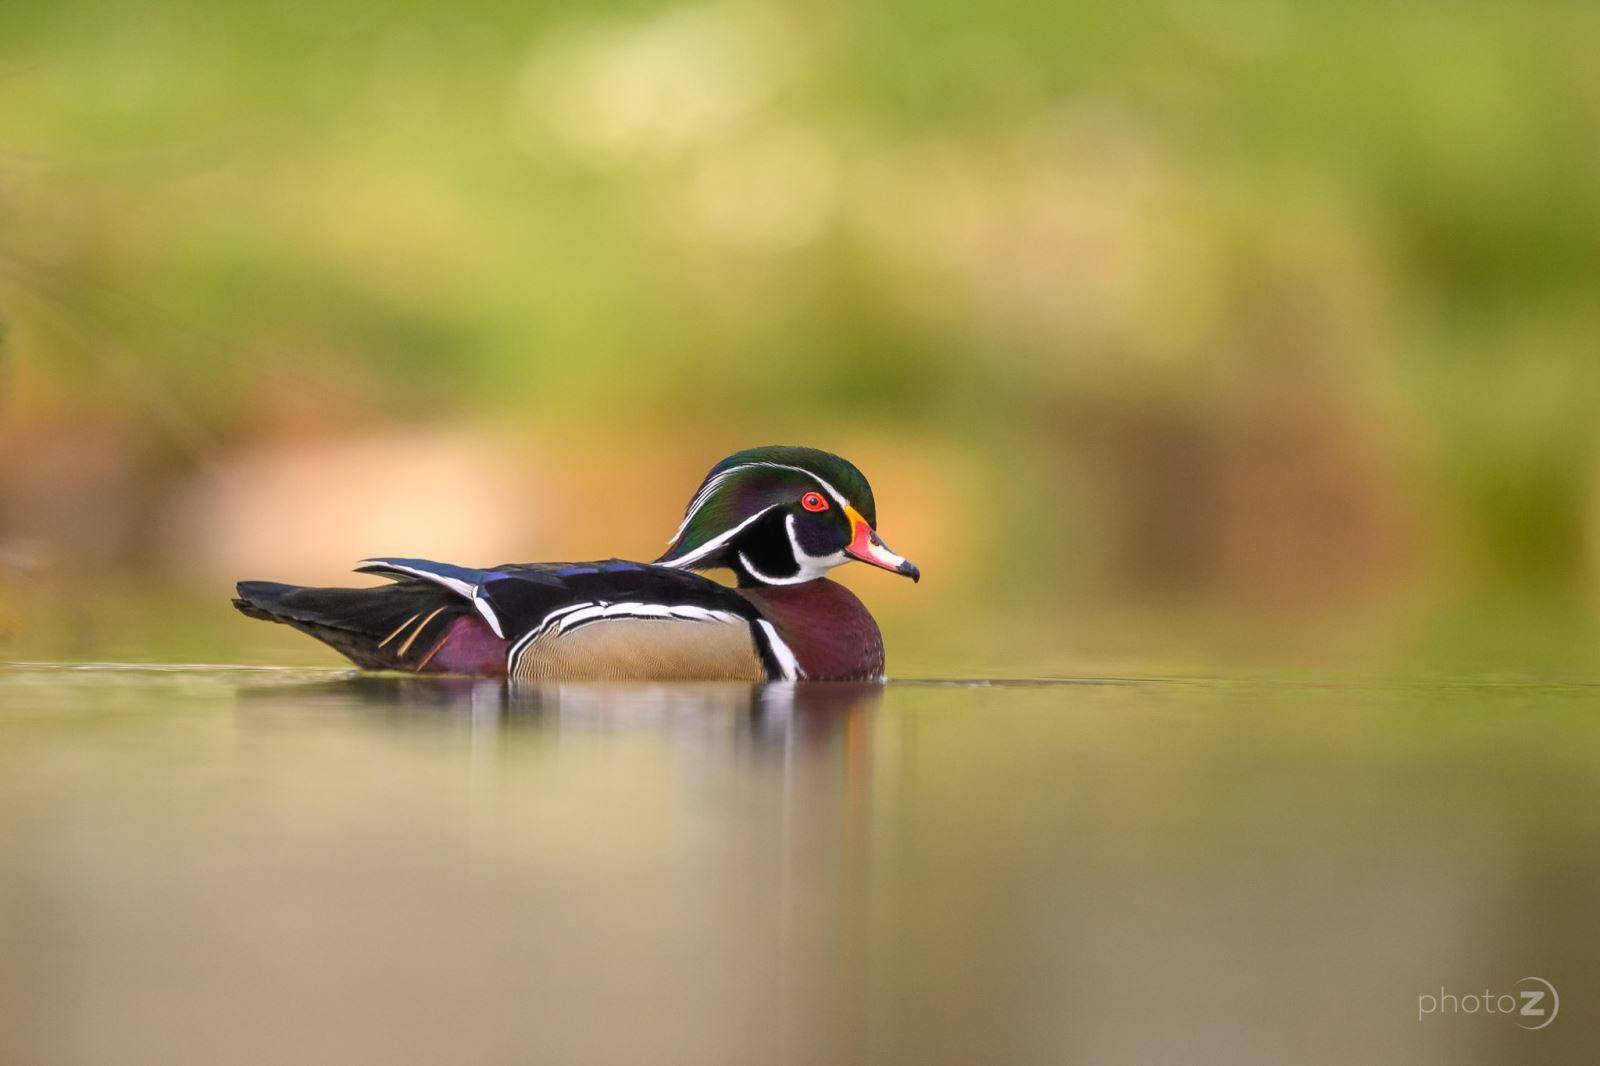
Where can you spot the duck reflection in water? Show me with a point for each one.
(730, 831)
(773, 714)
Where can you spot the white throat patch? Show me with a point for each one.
(810, 566)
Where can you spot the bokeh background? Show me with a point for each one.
(1171, 335)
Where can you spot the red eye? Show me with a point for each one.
(813, 501)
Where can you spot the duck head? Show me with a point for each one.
(781, 516)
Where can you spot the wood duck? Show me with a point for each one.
(779, 517)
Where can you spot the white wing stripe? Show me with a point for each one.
(601, 611)
(572, 616)
(545, 623)
(488, 614)
(454, 584)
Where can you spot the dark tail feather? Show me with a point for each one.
(391, 627)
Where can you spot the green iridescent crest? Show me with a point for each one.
(746, 484)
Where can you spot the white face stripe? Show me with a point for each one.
(715, 483)
(715, 542)
(835, 493)
(809, 566)
(699, 501)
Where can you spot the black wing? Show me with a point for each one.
(524, 595)
(521, 600)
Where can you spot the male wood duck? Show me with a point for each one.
(779, 517)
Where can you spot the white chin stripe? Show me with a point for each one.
(811, 566)
(808, 567)
(767, 579)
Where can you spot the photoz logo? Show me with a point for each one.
(1534, 1005)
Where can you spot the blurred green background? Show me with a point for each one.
(1173, 336)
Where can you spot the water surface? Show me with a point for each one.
(215, 865)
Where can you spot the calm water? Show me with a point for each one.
(213, 865)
